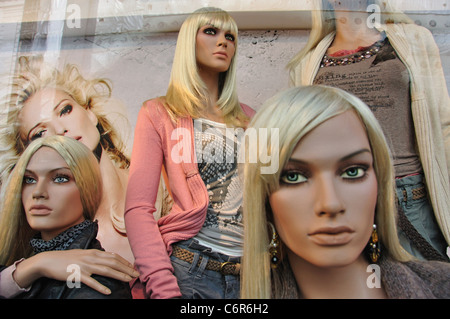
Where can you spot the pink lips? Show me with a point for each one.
(221, 53)
(39, 210)
(332, 236)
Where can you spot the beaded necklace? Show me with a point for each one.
(361, 54)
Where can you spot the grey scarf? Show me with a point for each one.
(60, 242)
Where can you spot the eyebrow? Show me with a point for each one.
(29, 171)
(343, 159)
(57, 105)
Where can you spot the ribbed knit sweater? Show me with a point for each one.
(415, 279)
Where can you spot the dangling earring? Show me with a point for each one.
(374, 246)
(274, 248)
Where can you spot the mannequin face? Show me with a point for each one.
(53, 112)
(50, 196)
(214, 49)
(325, 206)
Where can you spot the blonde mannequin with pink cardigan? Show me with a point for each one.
(202, 91)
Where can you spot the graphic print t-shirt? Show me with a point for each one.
(382, 81)
(217, 150)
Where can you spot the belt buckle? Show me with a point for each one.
(222, 266)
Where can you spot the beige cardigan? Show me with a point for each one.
(430, 105)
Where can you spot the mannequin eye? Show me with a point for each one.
(230, 37)
(292, 177)
(61, 179)
(354, 172)
(29, 180)
(37, 135)
(66, 110)
(210, 31)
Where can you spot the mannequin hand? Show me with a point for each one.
(54, 264)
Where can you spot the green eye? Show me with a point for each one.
(292, 178)
(354, 172)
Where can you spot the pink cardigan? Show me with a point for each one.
(155, 141)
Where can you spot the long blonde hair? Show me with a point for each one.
(323, 23)
(187, 94)
(15, 232)
(295, 112)
(34, 75)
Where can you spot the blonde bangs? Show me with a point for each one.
(220, 20)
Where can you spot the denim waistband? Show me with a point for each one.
(194, 246)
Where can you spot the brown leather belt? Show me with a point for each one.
(417, 193)
(225, 268)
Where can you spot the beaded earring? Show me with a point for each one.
(274, 248)
(374, 246)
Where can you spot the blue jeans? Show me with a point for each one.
(421, 215)
(196, 282)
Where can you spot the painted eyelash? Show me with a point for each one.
(37, 135)
(25, 178)
(213, 29)
(230, 35)
(355, 179)
(67, 109)
(286, 172)
(59, 175)
(206, 30)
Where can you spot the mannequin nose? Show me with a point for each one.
(222, 41)
(39, 191)
(328, 200)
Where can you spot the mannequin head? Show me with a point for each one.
(187, 93)
(60, 185)
(330, 147)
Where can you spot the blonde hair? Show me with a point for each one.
(187, 94)
(323, 23)
(33, 76)
(15, 232)
(295, 112)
